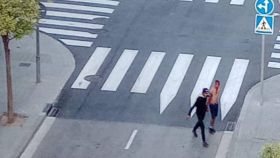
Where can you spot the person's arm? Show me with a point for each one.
(207, 105)
(208, 101)
(190, 111)
(219, 95)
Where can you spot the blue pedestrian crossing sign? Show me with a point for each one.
(264, 6)
(264, 24)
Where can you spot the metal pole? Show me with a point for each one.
(38, 73)
(262, 68)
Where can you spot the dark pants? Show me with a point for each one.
(201, 125)
(214, 110)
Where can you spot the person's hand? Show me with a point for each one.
(188, 117)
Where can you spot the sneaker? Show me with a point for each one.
(194, 134)
(205, 144)
(212, 130)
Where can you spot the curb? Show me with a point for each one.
(32, 136)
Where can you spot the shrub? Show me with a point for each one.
(271, 151)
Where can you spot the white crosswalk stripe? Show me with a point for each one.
(77, 7)
(233, 85)
(212, 1)
(274, 65)
(76, 42)
(277, 46)
(237, 2)
(68, 32)
(70, 24)
(119, 71)
(148, 72)
(232, 2)
(65, 25)
(91, 68)
(275, 55)
(106, 2)
(75, 15)
(174, 79)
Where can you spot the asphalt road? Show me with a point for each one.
(221, 34)
(200, 29)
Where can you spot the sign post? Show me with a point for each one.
(262, 67)
(38, 63)
(263, 26)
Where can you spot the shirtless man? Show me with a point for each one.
(213, 105)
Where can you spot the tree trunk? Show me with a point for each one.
(10, 107)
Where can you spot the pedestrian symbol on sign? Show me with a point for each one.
(263, 25)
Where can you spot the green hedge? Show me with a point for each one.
(271, 151)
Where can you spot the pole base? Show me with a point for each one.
(17, 120)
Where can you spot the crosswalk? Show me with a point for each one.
(232, 2)
(78, 27)
(174, 80)
(275, 55)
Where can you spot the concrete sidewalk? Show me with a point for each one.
(57, 64)
(257, 124)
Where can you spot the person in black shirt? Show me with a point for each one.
(201, 108)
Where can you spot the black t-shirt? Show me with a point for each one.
(200, 105)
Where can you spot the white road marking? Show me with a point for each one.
(233, 85)
(174, 80)
(148, 72)
(68, 32)
(275, 55)
(74, 15)
(276, 46)
(76, 42)
(106, 2)
(91, 68)
(119, 70)
(224, 145)
(38, 137)
(237, 2)
(212, 1)
(278, 38)
(205, 78)
(77, 7)
(128, 144)
(274, 65)
(70, 24)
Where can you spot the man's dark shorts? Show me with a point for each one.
(214, 110)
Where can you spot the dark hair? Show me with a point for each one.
(217, 81)
(205, 90)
